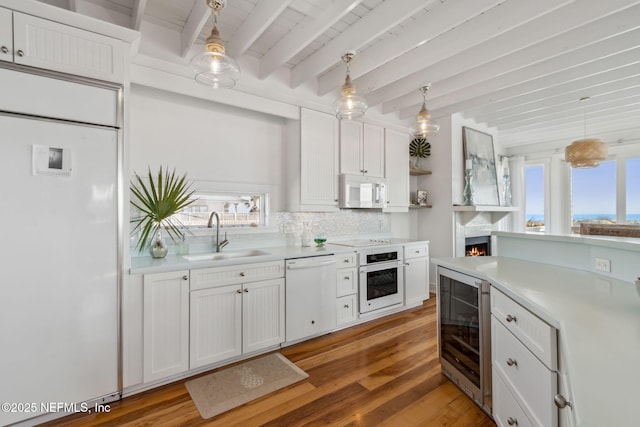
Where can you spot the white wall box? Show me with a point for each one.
(312, 162)
(416, 273)
(361, 149)
(227, 321)
(45, 44)
(165, 324)
(396, 170)
(524, 383)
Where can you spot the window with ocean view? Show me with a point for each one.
(633, 191)
(593, 195)
(534, 198)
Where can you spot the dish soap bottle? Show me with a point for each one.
(307, 238)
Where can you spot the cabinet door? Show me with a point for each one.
(347, 281)
(318, 161)
(397, 171)
(165, 324)
(351, 134)
(346, 309)
(416, 280)
(373, 152)
(53, 46)
(216, 324)
(262, 314)
(6, 35)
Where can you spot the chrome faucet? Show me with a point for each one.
(219, 244)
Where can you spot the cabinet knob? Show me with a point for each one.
(512, 421)
(239, 291)
(185, 277)
(242, 274)
(560, 401)
(246, 290)
(346, 306)
(4, 49)
(512, 362)
(347, 278)
(20, 53)
(313, 322)
(365, 171)
(511, 318)
(346, 261)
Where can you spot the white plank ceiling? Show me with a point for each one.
(518, 65)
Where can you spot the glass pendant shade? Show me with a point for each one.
(349, 105)
(213, 68)
(423, 126)
(586, 153)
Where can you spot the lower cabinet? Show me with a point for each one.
(346, 288)
(416, 273)
(231, 320)
(524, 362)
(165, 324)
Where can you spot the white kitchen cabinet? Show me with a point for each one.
(41, 43)
(235, 310)
(396, 171)
(524, 362)
(165, 324)
(362, 149)
(312, 162)
(416, 273)
(346, 288)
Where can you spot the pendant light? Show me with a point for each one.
(424, 127)
(587, 152)
(213, 67)
(349, 105)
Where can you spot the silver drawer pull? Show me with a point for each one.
(512, 421)
(512, 362)
(20, 53)
(346, 306)
(347, 278)
(185, 277)
(560, 401)
(4, 49)
(511, 318)
(242, 274)
(346, 261)
(239, 291)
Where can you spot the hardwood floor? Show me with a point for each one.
(382, 373)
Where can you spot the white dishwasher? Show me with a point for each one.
(310, 296)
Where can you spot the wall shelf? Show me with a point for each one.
(418, 172)
(412, 206)
(468, 213)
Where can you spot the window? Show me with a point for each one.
(633, 191)
(234, 210)
(593, 195)
(534, 197)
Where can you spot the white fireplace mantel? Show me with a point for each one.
(468, 213)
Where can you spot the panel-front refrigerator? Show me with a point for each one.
(59, 266)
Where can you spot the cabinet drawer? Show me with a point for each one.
(415, 251)
(505, 408)
(537, 336)
(528, 379)
(347, 260)
(347, 281)
(346, 309)
(217, 276)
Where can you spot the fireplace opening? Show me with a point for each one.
(477, 246)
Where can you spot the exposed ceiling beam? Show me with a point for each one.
(260, 18)
(516, 49)
(506, 86)
(440, 18)
(375, 23)
(137, 13)
(198, 17)
(304, 33)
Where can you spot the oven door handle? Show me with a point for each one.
(381, 266)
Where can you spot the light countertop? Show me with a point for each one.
(598, 319)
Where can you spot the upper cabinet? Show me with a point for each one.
(397, 171)
(361, 149)
(36, 42)
(312, 162)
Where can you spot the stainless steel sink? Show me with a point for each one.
(213, 256)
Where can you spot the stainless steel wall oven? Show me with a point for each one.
(464, 334)
(381, 277)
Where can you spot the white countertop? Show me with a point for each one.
(598, 319)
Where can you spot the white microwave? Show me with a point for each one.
(358, 191)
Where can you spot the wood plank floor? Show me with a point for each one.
(382, 373)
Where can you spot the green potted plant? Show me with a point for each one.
(419, 148)
(157, 201)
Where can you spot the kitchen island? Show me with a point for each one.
(597, 316)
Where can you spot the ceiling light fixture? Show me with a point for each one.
(423, 127)
(587, 152)
(349, 105)
(213, 67)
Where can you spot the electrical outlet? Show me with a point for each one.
(603, 264)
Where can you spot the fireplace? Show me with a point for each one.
(477, 246)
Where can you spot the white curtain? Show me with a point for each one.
(516, 166)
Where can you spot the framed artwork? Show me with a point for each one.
(478, 147)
